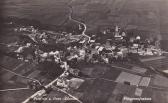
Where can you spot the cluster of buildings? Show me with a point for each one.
(87, 48)
(81, 49)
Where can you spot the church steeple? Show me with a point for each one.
(117, 31)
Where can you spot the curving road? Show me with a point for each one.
(83, 24)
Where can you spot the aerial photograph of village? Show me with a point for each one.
(84, 51)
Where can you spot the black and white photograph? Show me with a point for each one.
(83, 51)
